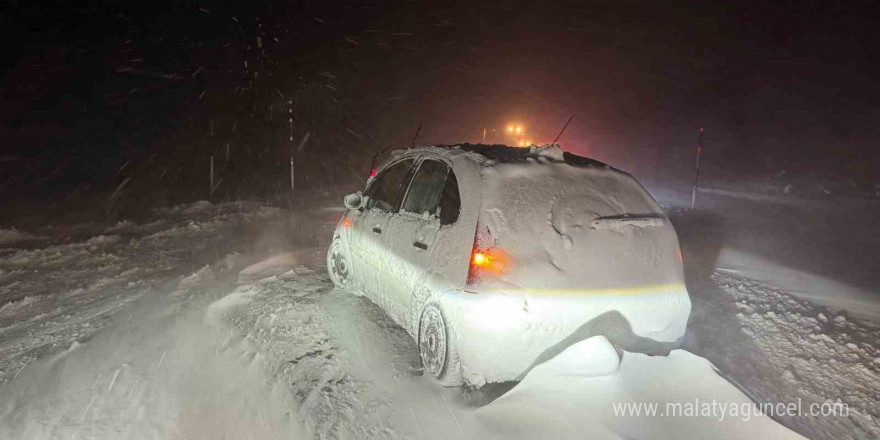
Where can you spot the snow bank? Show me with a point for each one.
(825, 251)
(821, 290)
(205, 273)
(272, 267)
(555, 403)
(782, 348)
(9, 236)
(14, 307)
(354, 374)
(593, 357)
(55, 293)
(241, 296)
(158, 372)
(198, 207)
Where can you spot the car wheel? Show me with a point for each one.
(338, 265)
(437, 347)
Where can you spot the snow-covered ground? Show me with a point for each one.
(286, 356)
(781, 348)
(77, 281)
(355, 374)
(827, 251)
(786, 300)
(159, 333)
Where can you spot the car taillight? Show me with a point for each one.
(486, 260)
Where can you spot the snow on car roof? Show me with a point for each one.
(489, 154)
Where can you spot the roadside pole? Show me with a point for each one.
(290, 140)
(291, 173)
(697, 172)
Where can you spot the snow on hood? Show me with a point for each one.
(488, 155)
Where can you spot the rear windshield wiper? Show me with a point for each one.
(619, 221)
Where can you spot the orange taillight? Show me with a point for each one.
(494, 259)
(489, 262)
(346, 222)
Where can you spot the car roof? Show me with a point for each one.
(490, 154)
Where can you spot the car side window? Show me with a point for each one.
(450, 201)
(434, 192)
(386, 190)
(423, 196)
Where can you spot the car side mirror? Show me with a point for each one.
(354, 200)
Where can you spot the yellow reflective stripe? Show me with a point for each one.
(618, 291)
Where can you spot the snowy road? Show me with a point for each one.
(289, 357)
(355, 374)
(158, 371)
(198, 350)
(826, 251)
(102, 336)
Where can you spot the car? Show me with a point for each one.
(494, 258)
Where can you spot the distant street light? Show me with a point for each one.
(517, 131)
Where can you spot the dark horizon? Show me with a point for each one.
(101, 96)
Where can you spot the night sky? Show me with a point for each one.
(104, 101)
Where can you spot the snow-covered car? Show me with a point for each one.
(497, 258)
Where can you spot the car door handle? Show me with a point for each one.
(420, 245)
(377, 230)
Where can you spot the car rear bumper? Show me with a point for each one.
(501, 334)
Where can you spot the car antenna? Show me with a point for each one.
(563, 129)
(376, 156)
(413, 144)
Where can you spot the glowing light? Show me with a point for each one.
(491, 262)
(373, 173)
(519, 129)
(346, 222)
(494, 260)
(510, 129)
(496, 312)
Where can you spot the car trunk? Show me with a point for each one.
(575, 229)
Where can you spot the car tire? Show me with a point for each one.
(437, 347)
(338, 264)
